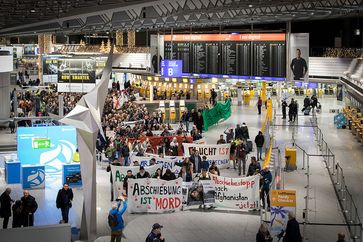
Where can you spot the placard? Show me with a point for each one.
(154, 195)
(214, 153)
(237, 193)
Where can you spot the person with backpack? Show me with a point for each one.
(115, 220)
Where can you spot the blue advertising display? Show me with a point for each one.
(72, 174)
(33, 177)
(50, 146)
(12, 172)
(171, 68)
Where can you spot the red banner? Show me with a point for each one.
(226, 37)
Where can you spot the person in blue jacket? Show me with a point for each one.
(116, 231)
(204, 165)
(265, 189)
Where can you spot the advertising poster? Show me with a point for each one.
(154, 195)
(282, 202)
(72, 174)
(50, 70)
(237, 193)
(214, 153)
(299, 56)
(119, 174)
(51, 146)
(33, 177)
(185, 191)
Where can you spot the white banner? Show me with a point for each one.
(154, 195)
(217, 153)
(237, 193)
(119, 173)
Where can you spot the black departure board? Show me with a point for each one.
(269, 59)
(212, 58)
(199, 58)
(229, 58)
(243, 56)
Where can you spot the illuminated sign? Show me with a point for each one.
(226, 37)
(171, 68)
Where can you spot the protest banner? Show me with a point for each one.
(154, 195)
(208, 192)
(195, 194)
(282, 202)
(214, 153)
(145, 161)
(119, 173)
(237, 193)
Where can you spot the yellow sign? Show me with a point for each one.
(199, 80)
(283, 198)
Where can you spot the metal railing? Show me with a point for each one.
(347, 204)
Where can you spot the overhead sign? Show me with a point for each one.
(225, 37)
(171, 68)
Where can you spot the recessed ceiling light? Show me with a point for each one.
(250, 6)
(32, 10)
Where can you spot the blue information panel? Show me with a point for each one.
(12, 172)
(33, 177)
(50, 146)
(171, 68)
(72, 174)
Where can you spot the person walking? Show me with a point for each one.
(259, 141)
(155, 234)
(253, 167)
(64, 201)
(199, 122)
(125, 151)
(307, 103)
(244, 132)
(229, 135)
(291, 107)
(265, 189)
(30, 206)
(241, 154)
(259, 105)
(284, 105)
(295, 110)
(115, 220)
(185, 119)
(5, 207)
(292, 232)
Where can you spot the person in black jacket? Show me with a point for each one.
(199, 122)
(244, 132)
(128, 176)
(5, 207)
(263, 234)
(292, 232)
(155, 234)
(259, 140)
(125, 151)
(64, 201)
(29, 208)
(238, 132)
(142, 173)
(18, 215)
(168, 176)
(284, 105)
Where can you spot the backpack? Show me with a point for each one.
(112, 220)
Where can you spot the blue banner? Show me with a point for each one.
(72, 174)
(33, 177)
(50, 146)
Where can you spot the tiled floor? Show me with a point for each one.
(196, 225)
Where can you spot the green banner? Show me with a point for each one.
(41, 143)
(218, 112)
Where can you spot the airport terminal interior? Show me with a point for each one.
(181, 120)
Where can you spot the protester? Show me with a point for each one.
(185, 174)
(259, 105)
(265, 188)
(155, 234)
(233, 152)
(30, 206)
(221, 140)
(215, 168)
(253, 167)
(5, 207)
(168, 176)
(18, 214)
(64, 201)
(115, 162)
(229, 135)
(142, 173)
(110, 153)
(158, 174)
(128, 176)
(196, 160)
(292, 232)
(241, 154)
(125, 151)
(199, 122)
(238, 132)
(116, 221)
(263, 234)
(244, 132)
(204, 164)
(259, 141)
(204, 176)
(185, 119)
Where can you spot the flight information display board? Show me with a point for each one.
(260, 55)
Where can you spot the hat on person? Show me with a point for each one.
(142, 168)
(157, 226)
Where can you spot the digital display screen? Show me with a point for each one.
(171, 68)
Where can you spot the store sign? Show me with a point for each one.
(171, 68)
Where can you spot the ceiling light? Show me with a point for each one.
(357, 32)
(32, 10)
(250, 6)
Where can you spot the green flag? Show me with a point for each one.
(218, 112)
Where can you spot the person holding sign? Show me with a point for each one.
(128, 176)
(155, 234)
(115, 220)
